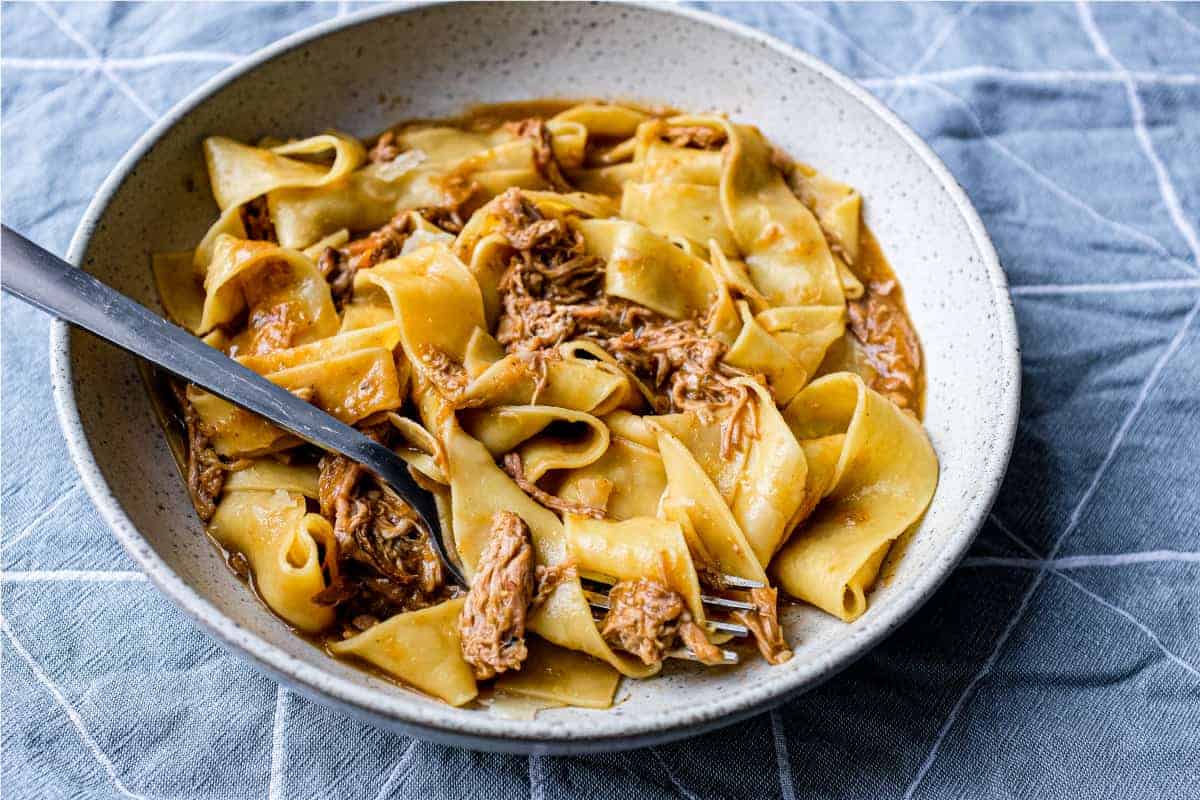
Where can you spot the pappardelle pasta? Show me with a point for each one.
(635, 355)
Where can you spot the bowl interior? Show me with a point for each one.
(434, 61)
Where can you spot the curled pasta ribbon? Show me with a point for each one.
(276, 535)
(872, 473)
(288, 280)
(239, 173)
(575, 440)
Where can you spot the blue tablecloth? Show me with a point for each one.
(1061, 660)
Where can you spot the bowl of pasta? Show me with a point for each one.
(704, 356)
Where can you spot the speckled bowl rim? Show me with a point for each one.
(484, 731)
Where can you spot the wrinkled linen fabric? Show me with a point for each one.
(1062, 659)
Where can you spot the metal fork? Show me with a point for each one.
(42, 279)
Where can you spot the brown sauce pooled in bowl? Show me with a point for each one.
(880, 323)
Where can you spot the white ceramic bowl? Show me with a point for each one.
(368, 70)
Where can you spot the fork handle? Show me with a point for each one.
(42, 279)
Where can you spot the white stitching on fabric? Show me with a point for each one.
(84, 735)
(671, 775)
(1182, 19)
(537, 778)
(393, 777)
(275, 789)
(69, 31)
(984, 137)
(40, 518)
(119, 63)
(1138, 112)
(1147, 386)
(787, 788)
(1017, 540)
(935, 46)
(912, 78)
(1086, 562)
(1035, 289)
(67, 575)
(1049, 183)
(1111, 606)
(1136, 623)
(1040, 76)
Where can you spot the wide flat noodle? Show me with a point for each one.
(180, 290)
(647, 269)
(385, 335)
(234, 431)
(268, 475)
(758, 352)
(604, 119)
(558, 675)
(438, 305)
(764, 486)
(421, 648)
(882, 480)
(572, 382)
(692, 498)
(679, 211)
(838, 206)
(805, 332)
(275, 534)
(351, 376)
(784, 248)
(363, 200)
(626, 481)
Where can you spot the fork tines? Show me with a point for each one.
(598, 600)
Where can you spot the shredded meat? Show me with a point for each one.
(449, 219)
(338, 492)
(699, 136)
(206, 471)
(339, 264)
(445, 373)
(548, 579)
(553, 291)
(544, 160)
(385, 149)
(256, 219)
(274, 328)
(492, 624)
(694, 638)
(764, 624)
(643, 618)
(878, 321)
(239, 564)
(516, 471)
(380, 559)
(274, 317)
